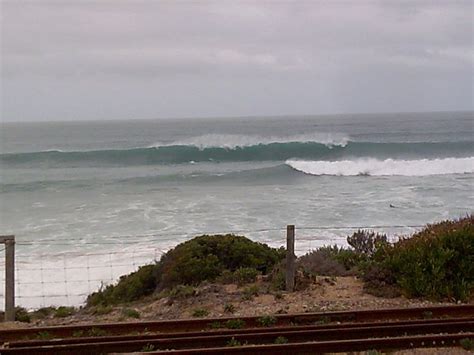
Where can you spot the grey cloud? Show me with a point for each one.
(76, 59)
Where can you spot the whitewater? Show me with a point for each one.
(96, 199)
(388, 167)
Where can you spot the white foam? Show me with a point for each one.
(230, 141)
(388, 167)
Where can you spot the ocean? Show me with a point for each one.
(88, 201)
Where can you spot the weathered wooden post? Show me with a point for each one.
(290, 258)
(9, 241)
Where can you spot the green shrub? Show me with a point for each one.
(129, 288)
(331, 260)
(250, 292)
(380, 281)
(436, 263)
(229, 308)
(200, 312)
(78, 333)
(181, 292)
(235, 323)
(130, 313)
(62, 312)
(101, 310)
(323, 261)
(233, 342)
(278, 281)
(215, 325)
(96, 332)
(467, 343)
(226, 277)
(199, 259)
(446, 226)
(43, 335)
(245, 275)
(266, 321)
(352, 261)
(22, 315)
(43, 312)
(439, 266)
(281, 340)
(148, 348)
(366, 242)
(277, 276)
(207, 256)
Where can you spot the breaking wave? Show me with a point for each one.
(387, 167)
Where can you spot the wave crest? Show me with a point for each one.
(230, 141)
(387, 167)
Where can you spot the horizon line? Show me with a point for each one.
(235, 117)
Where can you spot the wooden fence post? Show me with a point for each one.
(290, 258)
(9, 241)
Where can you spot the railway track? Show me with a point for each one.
(312, 348)
(186, 325)
(209, 340)
(295, 334)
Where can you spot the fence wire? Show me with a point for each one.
(68, 277)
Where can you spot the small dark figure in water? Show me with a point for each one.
(392, 206)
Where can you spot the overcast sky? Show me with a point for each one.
(84, 60)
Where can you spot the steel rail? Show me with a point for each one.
(311, 348)
(339, 327)
(220, 341)
(204, 323)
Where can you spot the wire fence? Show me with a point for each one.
(67, 276)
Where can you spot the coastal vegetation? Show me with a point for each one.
(22, 314)
(204, 258)
(436, 263)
